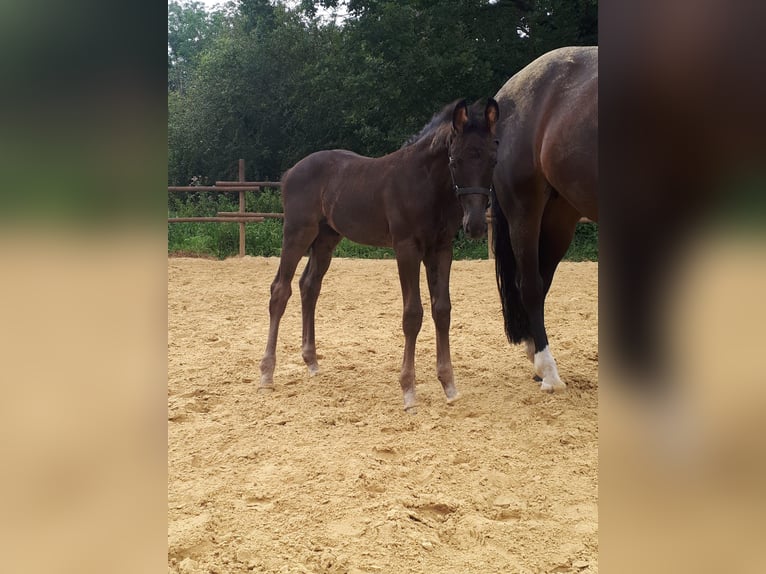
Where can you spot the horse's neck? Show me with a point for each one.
(431, 154)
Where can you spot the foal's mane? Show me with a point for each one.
(440, 125)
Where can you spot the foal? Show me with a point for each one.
(414, 200)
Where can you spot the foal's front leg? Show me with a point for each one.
(412, 319)
(438, 265)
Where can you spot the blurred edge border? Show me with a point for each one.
(83, 149)
(83, 161)
(682, 277)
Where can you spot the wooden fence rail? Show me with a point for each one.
(192, 188)
(215, 219)
(242, 217)
(230, 214)
(239, 184)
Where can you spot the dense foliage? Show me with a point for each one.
(271, 82)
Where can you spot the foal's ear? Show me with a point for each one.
(491, 114)
(460, 116)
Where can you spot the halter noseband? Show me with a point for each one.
(466, 190)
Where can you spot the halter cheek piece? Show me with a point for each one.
(466, 190)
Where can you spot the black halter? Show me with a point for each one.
(466, 190)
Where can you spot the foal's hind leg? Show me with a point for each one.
(408, 260)
(437, 272)
(295, 242)
(310, 285)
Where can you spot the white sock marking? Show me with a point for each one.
(545, 367)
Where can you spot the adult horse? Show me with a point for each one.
(544, 182)
(413, 200)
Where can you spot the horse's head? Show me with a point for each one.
(472, 158)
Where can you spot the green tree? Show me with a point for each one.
(191, 30)
(272, 84)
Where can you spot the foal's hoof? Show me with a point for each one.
(267, 378)
(410, 401)
(550, 386)
(313, 369)
(454, 398)
(265, 389)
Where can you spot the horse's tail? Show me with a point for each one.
(516, 319)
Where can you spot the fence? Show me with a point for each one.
(242, 217)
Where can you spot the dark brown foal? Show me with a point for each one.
(414, 200)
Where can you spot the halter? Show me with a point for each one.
(466, 190)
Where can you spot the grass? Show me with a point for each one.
(221, 240)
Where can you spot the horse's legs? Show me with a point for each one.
(529, 349)
(310, 284)
(408, 260)
(524, 226)
(295, 242)
(438, 264)
(556, 233)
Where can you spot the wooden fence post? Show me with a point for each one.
(241, 209)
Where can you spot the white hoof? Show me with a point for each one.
(545, 367)
(549, 386)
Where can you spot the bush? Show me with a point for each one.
(584, 246)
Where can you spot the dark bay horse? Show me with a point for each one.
(413, 200)
(545, 180)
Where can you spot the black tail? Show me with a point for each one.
(516, 319)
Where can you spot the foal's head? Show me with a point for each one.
(472, 158)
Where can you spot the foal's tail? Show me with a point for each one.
(516, 319)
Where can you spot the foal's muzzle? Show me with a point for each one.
(474, 222)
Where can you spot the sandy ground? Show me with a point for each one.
(329, 474)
